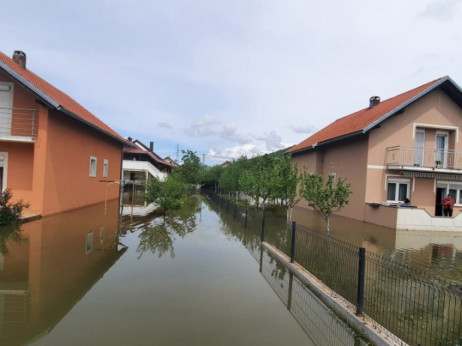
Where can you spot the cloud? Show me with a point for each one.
(272, 141)
(202, 127)
(229, 133)
(233, 153)
(441, 9)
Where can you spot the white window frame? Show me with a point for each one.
(421, 150)
(4, 164)
(399, 181)
(105, 168)
(8, 111)
(446, 184)
(444, 164)
(93, 173)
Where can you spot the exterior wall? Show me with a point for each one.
(435, 109)
(19, 169)
(382, 215)
(349, 161)
(70, 144)
(311, 160)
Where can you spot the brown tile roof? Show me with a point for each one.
(50, 93)
(363, 119)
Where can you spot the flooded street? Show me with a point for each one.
(192, 278)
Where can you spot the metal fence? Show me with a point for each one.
(418, 308)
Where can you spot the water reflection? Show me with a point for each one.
(435, 252)
(319, 322)
(158, 232)
(9, 234)
(57, 261)
(321, 325)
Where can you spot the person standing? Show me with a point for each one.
(448, 205)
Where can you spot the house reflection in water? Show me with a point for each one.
(58, 259)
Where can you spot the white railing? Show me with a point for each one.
(400, 157)
(18, 122)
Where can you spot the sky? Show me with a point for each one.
(236, 77)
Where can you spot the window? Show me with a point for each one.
(93, 162)
(105, 168)
(453, 188)
(398, 190)
(6, 104)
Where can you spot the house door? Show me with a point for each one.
(419, 148)
(441, 149)
(6, 104)
(440, 194)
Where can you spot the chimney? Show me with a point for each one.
(19, 58)
(374, 101)
(129, 139)
(151, 146)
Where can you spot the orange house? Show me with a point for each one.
(54, 153)
(401, 157)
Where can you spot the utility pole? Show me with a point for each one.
(177, 153)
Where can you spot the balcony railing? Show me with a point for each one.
(428, 158)
(18, 123)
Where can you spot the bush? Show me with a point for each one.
(168, 194)
(10, 212)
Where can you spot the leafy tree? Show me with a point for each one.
(10, 212)
(211, 176)
(190, 170)
(168, 193)
(259, 180)
(324, 197)
(286, 181)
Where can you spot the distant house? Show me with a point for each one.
(225, 164)
(54, 153)
(405, 148)
(141, 163)
(172, 162)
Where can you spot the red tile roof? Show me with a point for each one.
(56, 95)
(361, 120)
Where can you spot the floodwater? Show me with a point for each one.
(88, 277)
(437, 253)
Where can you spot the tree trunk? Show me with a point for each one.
(328, 225)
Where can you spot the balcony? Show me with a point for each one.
(18, 124)
(424, 159)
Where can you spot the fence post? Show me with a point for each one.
(262, 237)
(246, 214)
(292, 245)
(361, 274)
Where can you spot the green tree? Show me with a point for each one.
(190, 171)
(211, 176)
(10, 212)
(326, 197)
(168, 193)
(286, 179)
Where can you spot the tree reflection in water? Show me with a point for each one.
(9, 233)
(159, 235)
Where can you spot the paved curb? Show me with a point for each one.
(364, 324)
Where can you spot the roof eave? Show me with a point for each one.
(408, 102)
(326, 142)
(28, 84)
(93, 126)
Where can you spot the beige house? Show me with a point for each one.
(406, 147)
